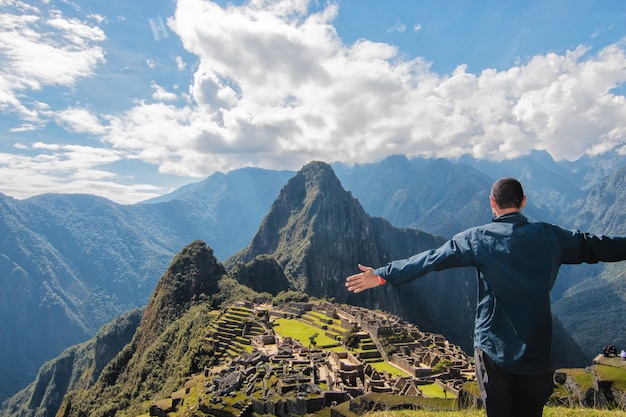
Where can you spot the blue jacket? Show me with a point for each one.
(517, 262)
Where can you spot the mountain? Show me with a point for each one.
(77, 367)
(318, 233)
(602, 208)
(136, 373)
(142, 354)
(69, 264)
(444, 197)
(224, 209)
(549, 185)
(435, 195)
(274, 279)
(589, 170)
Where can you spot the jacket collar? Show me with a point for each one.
(513, 217)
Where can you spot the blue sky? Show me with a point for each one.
(129, 100)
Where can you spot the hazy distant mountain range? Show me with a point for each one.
(71, 263)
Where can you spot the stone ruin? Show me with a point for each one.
(282, 377)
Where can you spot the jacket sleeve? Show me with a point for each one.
(455, 253)
(580, 247)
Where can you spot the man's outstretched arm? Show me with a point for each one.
(363, 280)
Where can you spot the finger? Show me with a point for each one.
(353, 286)
(352, 282)
(355, 289)
(360, 275)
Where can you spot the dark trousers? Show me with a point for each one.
(505, 394)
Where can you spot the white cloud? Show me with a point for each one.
(398, 27)
(25, 127)
(98, 18)
(66, 169)
(180, 64)
(79, 120)
(38, 50)
(161, 94)
(276, 87)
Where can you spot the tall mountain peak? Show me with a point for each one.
(312, 221)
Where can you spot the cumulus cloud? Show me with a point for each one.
(79, 120)
(275, 86)
(40, 49)
(65, 169)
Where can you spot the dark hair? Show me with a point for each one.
(508, 193)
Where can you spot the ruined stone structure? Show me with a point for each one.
(283, 377)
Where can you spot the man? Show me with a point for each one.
(517, 262)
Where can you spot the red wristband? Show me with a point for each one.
(381, 280)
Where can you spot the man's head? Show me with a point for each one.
(507, 195)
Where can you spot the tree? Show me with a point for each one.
(350, 338)
(442, 365)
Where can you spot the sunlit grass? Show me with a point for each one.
(387, 367)
(612, 373)
(435, 391)
(302, 332)
(583, 378)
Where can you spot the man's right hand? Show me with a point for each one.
(363, 280)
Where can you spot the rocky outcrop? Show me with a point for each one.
(588, 388)
(262, 274)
